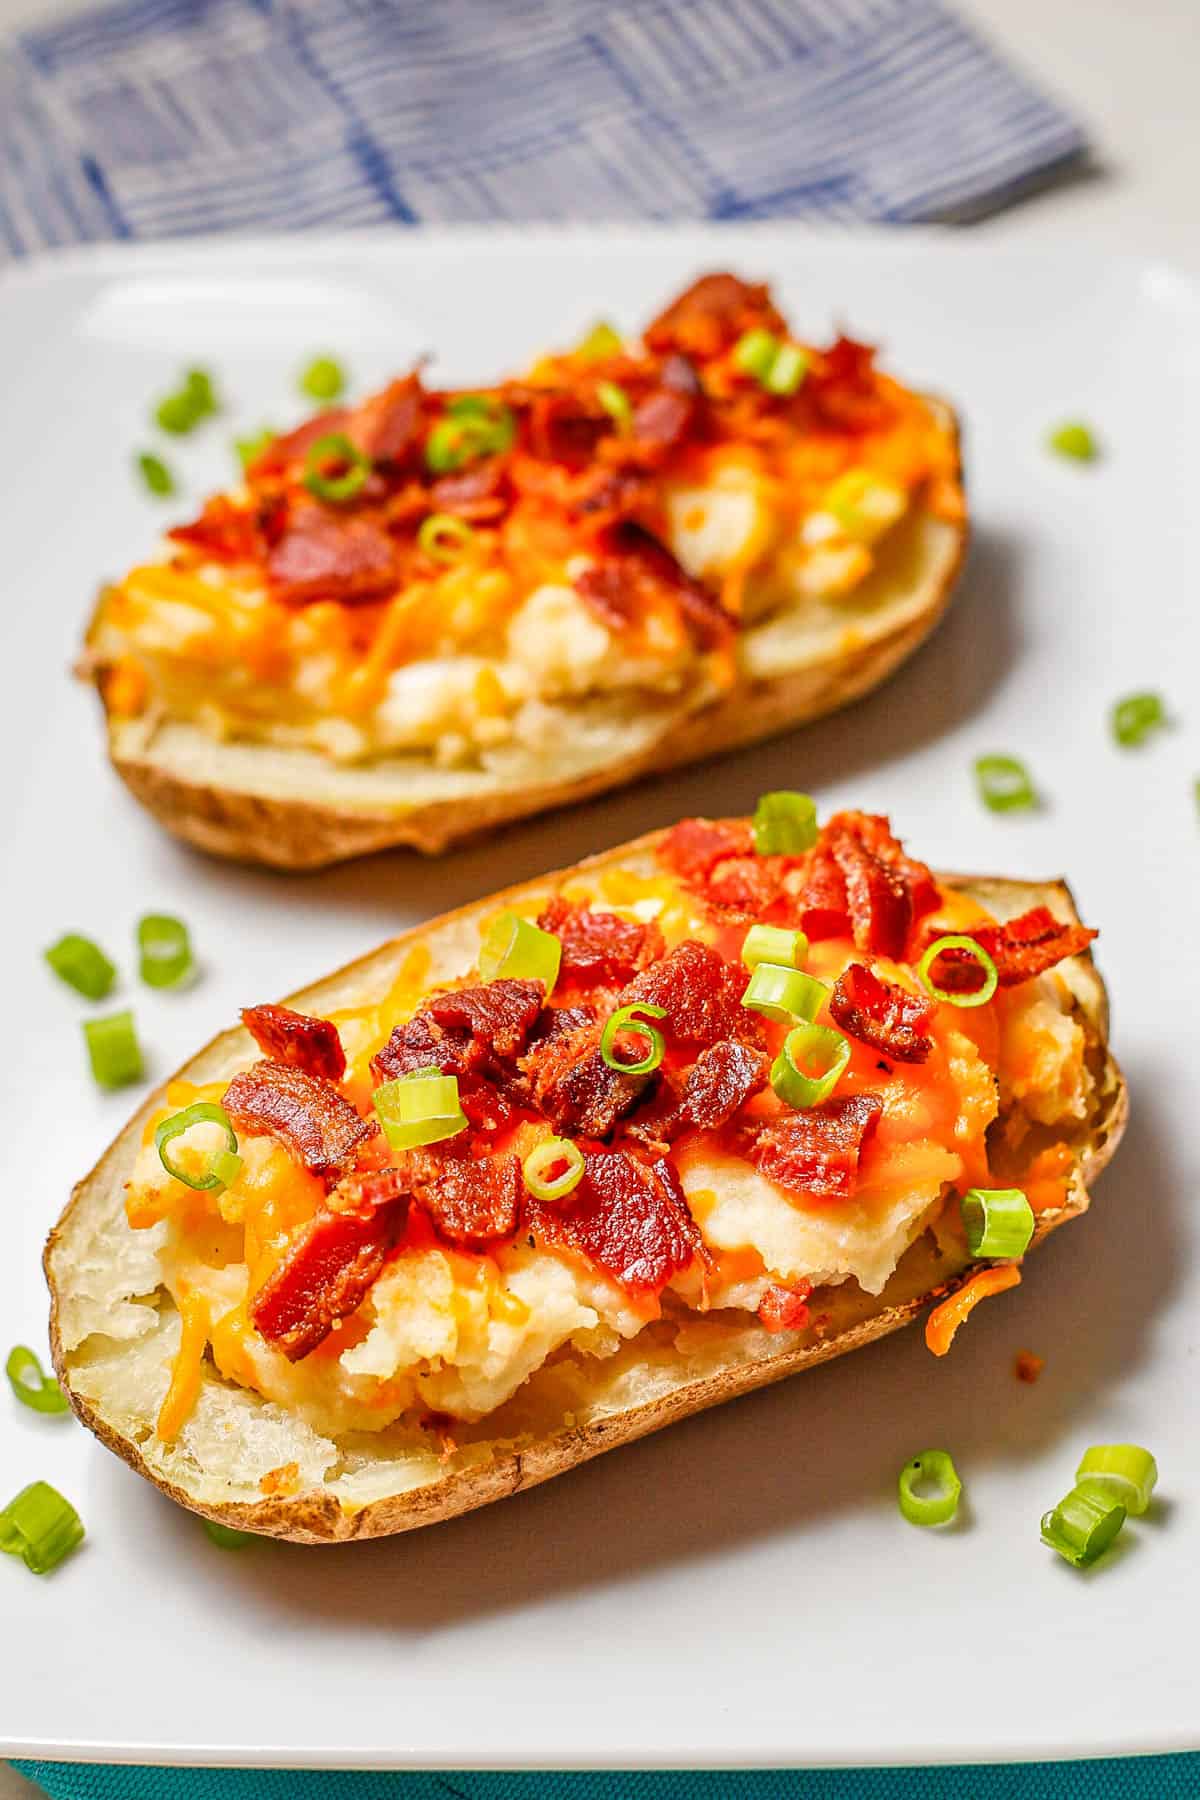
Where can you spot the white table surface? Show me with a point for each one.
(1128, 71)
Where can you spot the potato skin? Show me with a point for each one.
(317, 1516)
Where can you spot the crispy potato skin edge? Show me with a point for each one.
(319, 1518)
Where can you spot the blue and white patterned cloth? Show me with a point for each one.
(156, 118)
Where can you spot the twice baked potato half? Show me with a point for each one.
(564, 1166)
(436, 611)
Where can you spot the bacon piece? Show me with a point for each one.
(480, 491)
(843, 386)
(816, 1151)
(858, 878)
(291, 447)
(785, 1308)
(882, 1014)
(564, 428)
(695, 846)
(574, 1087)
(225, 531)
(388, 426)
(744, 887)
(599, 946)
(702, 994)
(1022, 948)
(604, 496)
(634, 568)
(305, 1112)
(368, 1189)
(327, 1271)
(556, 1022)
(419, 1043)
(324, 556)
(875, 833)
(498, 1016)
(710, 316)
(720, 1081)
(628, 1219)
(291, 1037)
(663, 419)
(877, 898)
(474, 1200)
(820, 894)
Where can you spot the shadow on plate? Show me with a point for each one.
(947, 681)
(783, 1460)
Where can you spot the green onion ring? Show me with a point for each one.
(784, 824)
(41, 1527)
(336, 447)
(808, 1041)
(999, 1222)
(113, 1050)
(164, 950)
(1082, 1526)
(954, 941)
(1005, 784)
(545, 1156)
(774, 944)
(30, 1383)
(202, 1112)
(421, 1108)
(782, 993)
(1136, 717)
(1127, 1469)
(82, 965)
(323, 379)
(443, 538)
(625, 1019)
(515, 949)
(939, 1507)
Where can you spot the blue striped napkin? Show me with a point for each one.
(157, 118)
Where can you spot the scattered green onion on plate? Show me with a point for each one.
(1083, 1525)
(1136, 718)
(30, 1383)
(929, 1488)
(155, 473)
(113, 1050)
(164, 950)
(41, 1527)
(82, 964)
(1127, 1469)
(195, 400)
(1004, 784)
(1074, 440)
(323, 379)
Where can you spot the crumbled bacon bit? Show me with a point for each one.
(321, 556)
(566, 428)
(744, 887)
(1022, 948)
(574, 1087)
(599, 946)
(498, 1015)
(817, 1151)
(720, 1081)
(420, 1044)
(858, 878)
(819, 892)
(366, 1190)
(633, 567)
(786, 1308)
(663, 418)
(628, 1219)
(478, 492)
(1028, 1366)
(882, 1014)
(325, 1275)
(291, 1037)
(388, 426)
(474, 1200)
(305, 1112)
(555, 1022)
(710, 316)
(702, 994)
(225, 531)
(877, 897)
(695, 846)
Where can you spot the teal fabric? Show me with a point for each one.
(1126, 1778)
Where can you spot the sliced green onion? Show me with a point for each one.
(226, 1538)
(616, 403)
(784, 824)
(164, 950)
(774, 944)
(539, 1164)
(954, 941)
(475, 425)
(198, 384)
(1076, 440)
(113, 1050)
(443, 538)
(249, 449)
(40, 1527)
(808, 1068)
(82, 965)
(625, 1019)
(30, 1383)
(1127, 1469)
(1136, 717)
(781, 993)
(754, 353)
(336, 448)
(211, 1177)
(1004, 784)
(419, 1109)
(323, 379)
(787, 371)
(1082, 1526)
(998, 1221)
(601, 341)
(933, 1468)
(182, 411)
(155, 473)
(515, 949)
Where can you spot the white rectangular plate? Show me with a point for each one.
(739, 1590)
